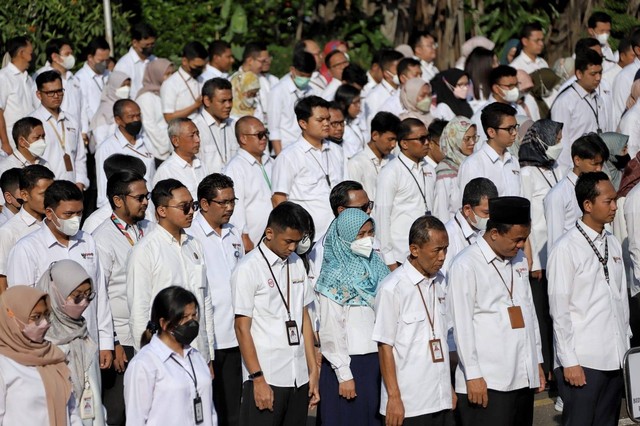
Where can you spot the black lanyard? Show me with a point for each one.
(326, 174)
(545, 178)
(286, 302)
(595, 111)
(603, 260)
(422, 193)
(193, 378)
(215, 142)
(462, 230)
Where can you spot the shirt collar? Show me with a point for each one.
(210, 121)
(593, 235)
(272, 258)
(122, 140)
(183, 163)
(410, 163)
(169, 238)
(493, 155)
(388, 87)
(14, 69)
(467, 231)
(414, 276)
(430, 162)
(581, 92)
(487, 251)
(185, 75)
(208, 229)
(27, 218)
(572, 177)
(308, 147)
(163, 351)
(51, 240)
(243, 153)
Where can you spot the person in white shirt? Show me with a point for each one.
(34, 181)
(222, 246)
(561, 209)
(494, 323)
(404, 100)
(168, 382)
(337, 124)
(365, 166)
(115, 238)
(493, 160)
(140, 54)
(306, 171)
(388, 87)
(450, 88)
(28, 132)
(599, 27)
(532, 40)
(317, 81)
(267, 82)
(92, 78)
(590, 310)
(102, 124)
(411, 326)
(274, 331)
(216, 128)
(375, 74)
(626, 77)
(336, 61)
(254, 55)
(283, 123)
(17, 98)
(625, 52)
(184, 164)
(404, 191)
(251, 170)
(425, 47)
(10, 187)
(127, 139)
(66, 153)
(220, 60)
(168, 256)
(180, 93)
(59, 238)
(632, 219)
(350, 373)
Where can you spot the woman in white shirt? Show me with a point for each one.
(35, 386)
(148, 99)
(168, 382)
(347, 98)
(451, 88)
(71, 290)
(347, 286)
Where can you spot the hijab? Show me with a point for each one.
(630, 177)
(544, 81)
(510, 44)
(154, 76)
(442, 86)
(450, 145)
(524, 122)
(540, 136)
(104, 114)
(241, 84)
(616, 143)
(16, 304)
(347, 278)
(409, 97)
(59, 281)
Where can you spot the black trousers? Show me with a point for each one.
(539, 292)
(441, 418)
(289, 407)
(597, 403)
(227, 385)
(513, 408)
(113, 392)
(634, 319)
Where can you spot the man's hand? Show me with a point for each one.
(543, 379)
(454, 399)
(347, 389)
(535, 274)
(314, 390)
(211, 370)
(7, 149)
(395, 411)
(105, 359)
(262, 394)
(477, 392)
(80, 186)
(574, 375)
(120, 361)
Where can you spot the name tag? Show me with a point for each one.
(435, 345)
(515, 316)
(198, 412)
(292, 333)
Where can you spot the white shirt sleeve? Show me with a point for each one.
(554, 214)
(632, 217)
(19, 271)
(243, 287)
(139, 289)
(105, 320)
(139, 381)
(274, 112)
(387, 308)
(155, 127)
(208, 319)
(441, 200)
(239, 217)
(81, 162)
(385, 192)
(333, 335)
(283, 174)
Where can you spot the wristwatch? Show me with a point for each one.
(255, 375)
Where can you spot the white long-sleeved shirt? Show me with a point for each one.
(158, 262)
(503, 172)
(461, 236)
(180, 91)
(622, 88)
(528, 65)
(632, 218)
(283, 125)
(17, 96)
(590, 317)
(176, 167)
(376, 98)
(630, 126)
(18, 226)
(218, 142)
(91, 86)
(561, 209)
(506, 358)
(134, 66)
(154, 124)
(365, 166)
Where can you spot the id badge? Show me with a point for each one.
(515, 316)
(292, 333)
(67, 162)
(197, 409)
(86, 405)
(435, 345)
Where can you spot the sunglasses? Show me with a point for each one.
(259, 135)
(422, 139)
(186, 207)
(140, 198)
(365, 207)
(77, 298)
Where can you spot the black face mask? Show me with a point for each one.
(621, 161)
(186, 333)
(133, 128)
(147, 51)
(335, 140)
(196, 72)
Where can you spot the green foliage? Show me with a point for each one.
(77, 20)
(622, 22)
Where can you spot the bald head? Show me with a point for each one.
(245, 123)
(252, 136)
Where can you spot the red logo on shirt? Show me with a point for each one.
(271, 283)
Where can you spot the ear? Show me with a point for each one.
(268, 233)
(579, 74)
(204, 205)
(375, 135)
(466, 210)
(118, 201)
(413, 250)
(493, 233)
(163, 324)
(24, 194)
(587, 205)
(206, 101)
(161, 211)
(39, 95)
(23, 142)
(303, 124)
(118, 121)
(491, 133)
(48, 212)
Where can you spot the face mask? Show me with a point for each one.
(74, 310)
(37, 148)
(481, 222)
(146, 51)
(68, 61)
(602, 38)
(123, 92)
(424, 105)
(36, 332)
(68, 227)
(249, 102)
(396, 79)
(133, 128)
(186, 333)
(362, 247)
(301, 82)
(196, 72)
(460, 92)
(554, 151)
(511, 95)
(621, 161)
(304, 245)
(100, 67)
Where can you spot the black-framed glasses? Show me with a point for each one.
(337, 124)
(186, 207)
(52, 93)
(140, 198)
(422, 139)
(365, 207)
(259, 135)
(89, 295)
(225, 203)
(511, 129)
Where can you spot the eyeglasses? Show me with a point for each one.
(432, 45)
(79, 297)
(365, 207)
(52, 93)
(225, 203)
(339, 64)
(512, 129)
(140, 198)
(259, 135)
(336, 124)
(422, 139)
(471, 139)
(37, 318)
(186, 207)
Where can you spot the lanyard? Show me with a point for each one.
(509, 290)
(326, 174)
(62, 139)
(131, 147)
(595, 111)
(264, 174)
(188, 87)
(460, 226)
(433, 309)
(96, 81)
(286, 302)
(545, 178)
(215, 142)
(24, 163)
(422, 193)
(123, 229)
(193, 378)
(603, 260)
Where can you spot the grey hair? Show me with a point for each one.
(175, 126)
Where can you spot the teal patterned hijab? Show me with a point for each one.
(346, 278)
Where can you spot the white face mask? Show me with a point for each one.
(395, 79)
(250, 102)
(37, 147)
(481, 222)
(602, 38)
(68, 61)
(304, 245)
(460, 92)
(362, 247)
(123, 92)
(554, 151)
(424, 105)
(511, 95)
(68, 227)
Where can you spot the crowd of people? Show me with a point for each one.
(399, 245)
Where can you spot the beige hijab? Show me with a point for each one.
(154, 76)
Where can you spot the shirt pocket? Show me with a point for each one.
(412, 326)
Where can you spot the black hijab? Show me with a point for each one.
(445, 94)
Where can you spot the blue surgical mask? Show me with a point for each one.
(301, 82)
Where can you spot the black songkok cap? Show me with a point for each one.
(510, 210)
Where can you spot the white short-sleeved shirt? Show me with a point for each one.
(159, 389)
(18, 226)
(217, 141)
(17, 96)
(180, 91)
(403, 189)
(393, 105)
(461, 236)
(622, 88)
(376, 98)
(252, 186)
(488, 347)
(221, 254)
(256, 295)
(176, 167)
(525, 63)
(283, 124)
(503, 172)
(91, 86)
(402, 322)
(18, 161)
(630, 126)
(301, 171)
(133, 65)
(561, 209)
(365, 166)
(353, 140)
(632, 219)
(154, 124)
(72, 101)
(213, 72)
